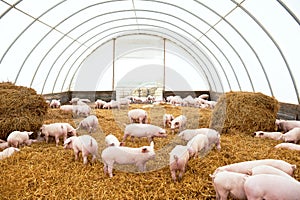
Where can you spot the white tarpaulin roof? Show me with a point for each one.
(222, 45)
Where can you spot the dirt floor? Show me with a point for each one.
(44, 171)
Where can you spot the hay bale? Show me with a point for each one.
(20, 109)
(245, 112)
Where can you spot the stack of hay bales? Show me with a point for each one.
(21, 108)
(244, 112)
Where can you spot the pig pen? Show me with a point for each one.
(44, 171)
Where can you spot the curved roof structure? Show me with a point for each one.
(224, 45)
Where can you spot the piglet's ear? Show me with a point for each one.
(68, 141)
(152, 144)
(145, 150)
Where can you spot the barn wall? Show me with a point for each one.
(286, 110)
(184, 94)
(65, 97)
(289, 111)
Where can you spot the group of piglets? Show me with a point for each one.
(256, 179)
(198, 140)
(116, 152)
(15, 140)
(288, 131)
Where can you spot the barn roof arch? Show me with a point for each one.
(233, 45)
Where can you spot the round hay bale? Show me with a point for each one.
(245, 112)
(21, 108)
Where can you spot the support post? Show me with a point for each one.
(164, 74)
(113, 64)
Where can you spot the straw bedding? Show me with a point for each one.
(20, 109)
(245, 111)
(44, 171)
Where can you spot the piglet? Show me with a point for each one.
(167, 119)
(266, 169)
(246, 166)
(127, 155)
(197, 144)
(269, 186)
(112, 140)
(17, 138)
(8, 152)
(290, 146)
(138, 114)
(229, 184)
(270, 135)
(3, 145)
(292, 136)
(143, 130)
(89, 123)
(179, 157)
(286, 125)
(85, 144)
(212, 135)
(179, 123)
(57, 130)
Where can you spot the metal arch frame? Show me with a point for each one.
(194, 27)
(107, 2)
(53, 28)
(204, 34)
(133, 24)
(260, 62)
(289, 11)
(278, 48)
(104, 23)
(245, 40)
(136, 15)
(120, 36)
(152, 19)
(35, 19)
(131, 29)
(198, 41)
(11, 7)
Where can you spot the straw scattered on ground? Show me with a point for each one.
(44, 171)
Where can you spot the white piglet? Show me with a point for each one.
(179, 123)
(270, 135)
(290, 146)
(246, 166)
(89, 123)
(144, 130)
(3, 145)
(127, 155)
(85, 144)
(67, 108)
(112, 140)
(17, 138)
(56, 130)
(197, 144)
(292, 136)
(138, 114)
(287, 125)
(269, 186)
(167, 119)
(8, 152)
(266, 169)
(212, 135)
(229, 184)
(179, 157)
(81, 109)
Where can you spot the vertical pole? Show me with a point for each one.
(113, 64)
(164, 78)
